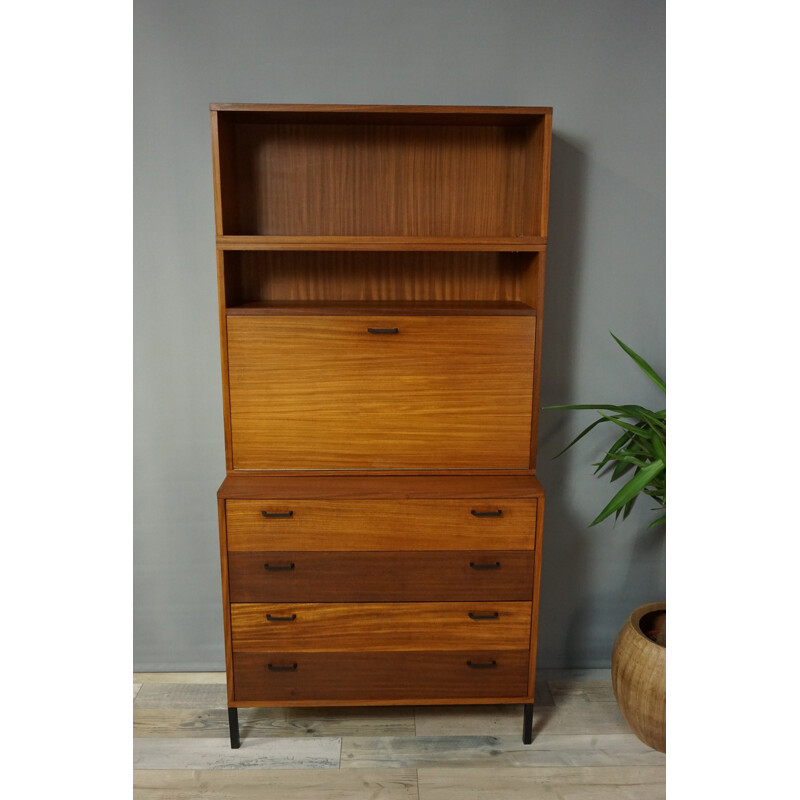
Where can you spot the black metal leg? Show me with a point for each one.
(233, 724)
(527, 724)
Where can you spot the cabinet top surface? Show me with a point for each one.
(506, 113)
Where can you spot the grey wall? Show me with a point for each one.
(600, 64)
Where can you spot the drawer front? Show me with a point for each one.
(387, 676)
(303, 576)
(326, 627)
(325, 393)
(470, 524)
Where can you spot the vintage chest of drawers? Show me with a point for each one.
(381, 277)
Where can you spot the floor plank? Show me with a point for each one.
(552, 783)
(466, 751)
(565, 717)
(261, 722)
(136, 687)
(394, 784)
(179, 677)
(202, 754)
(182, 695)
(571, 691)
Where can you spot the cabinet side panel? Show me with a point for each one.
(226, 619)
(537, 275)
(223, 341)
(537, 580)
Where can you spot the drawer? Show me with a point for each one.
(326, 627)
(304, 576)
(466, 524)
(322, 392)
(384, 676)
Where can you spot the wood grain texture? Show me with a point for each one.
(387, 524)
(366, 627)
(275, 784)
(583, 750)
(454, 180)
(420, 277)
(383, 308)
(382, 676)
(321, 577)
(176, 723)
(550, 783)
(381, 487)
(226, 620)
(462, 244)
(322, 392)
(270, 753)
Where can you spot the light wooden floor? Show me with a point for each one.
(582, 748)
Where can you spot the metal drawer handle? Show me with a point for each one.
(279, 668)
(277, 514)
(480, 665)
(494, 615)
(383, 330)
(496, 565)
(498, 513)
(292, 618)
(278, 567)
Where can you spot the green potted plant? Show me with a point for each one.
(638, 662)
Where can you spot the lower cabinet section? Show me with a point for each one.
(381, 675)
(385, 589)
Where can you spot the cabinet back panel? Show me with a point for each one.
(254, 276)
(381, 180)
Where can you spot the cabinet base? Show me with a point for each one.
(527, 726)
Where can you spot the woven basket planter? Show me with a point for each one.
(639, 677)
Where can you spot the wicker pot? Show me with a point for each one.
(639, 676)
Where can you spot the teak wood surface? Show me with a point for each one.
(415, 525)
(388, 576)
(360, 627)
(324, 392)
(432, 220)
(392, 675)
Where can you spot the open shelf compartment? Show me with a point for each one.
(349, 172)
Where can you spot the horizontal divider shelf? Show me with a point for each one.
(383, 308)
(512, 243)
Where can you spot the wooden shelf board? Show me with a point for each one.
(382, 308)
(512, 243)
(252, 487)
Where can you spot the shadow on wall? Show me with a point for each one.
(565, 556)
(577, 625)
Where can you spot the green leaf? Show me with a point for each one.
(643, 365)
(635, 485)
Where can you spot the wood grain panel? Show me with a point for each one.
(384, 276)
(388, 524)
(490, 487)
(301, 576)
(379, 180)
(362, 627)
(322, 392)
(386, 675)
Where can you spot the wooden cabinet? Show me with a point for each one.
(381, 278)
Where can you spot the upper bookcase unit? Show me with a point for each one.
(407, 177)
